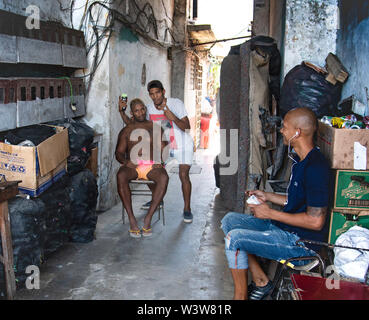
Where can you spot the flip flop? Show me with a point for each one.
(135, 233)
(146, 232)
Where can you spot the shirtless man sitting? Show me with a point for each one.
(135, 151)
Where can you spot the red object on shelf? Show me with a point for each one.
(314, 288)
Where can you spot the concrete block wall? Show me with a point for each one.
(27, 101)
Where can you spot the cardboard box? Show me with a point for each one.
(337, 145)
(38, 167)
(343, 221)
(351, 190)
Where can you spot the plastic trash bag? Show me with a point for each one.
(306, 87)
(83, 195)
(58, 217)
(27, 222)
(80, 137)
(349, 262)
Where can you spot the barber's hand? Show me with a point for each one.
(261, 195)
(169, 114)
(122, 104)
(261, 211)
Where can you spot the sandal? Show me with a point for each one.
(146, 232)
(135, 233)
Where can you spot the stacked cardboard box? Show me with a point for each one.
(351, 191)
(37, 167)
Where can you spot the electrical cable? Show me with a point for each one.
(71, 88)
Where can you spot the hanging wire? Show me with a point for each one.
(141, 21)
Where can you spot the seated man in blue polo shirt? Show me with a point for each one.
(272, 234)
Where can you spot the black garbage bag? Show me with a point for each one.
(83, 195)
(80, 138)
(77, 160)
(58, 216)
(306, 87)
(35, 133)
(27, 221)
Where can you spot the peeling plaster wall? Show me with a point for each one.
(121, 71)
(126, 61)
(353, 47)
(311, 31)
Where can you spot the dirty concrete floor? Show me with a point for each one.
(179, 262)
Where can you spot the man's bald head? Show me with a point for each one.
(303, 119)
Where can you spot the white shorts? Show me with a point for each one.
(183, 155)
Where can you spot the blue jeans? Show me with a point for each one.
(246, 234)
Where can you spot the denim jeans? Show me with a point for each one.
(246, 234)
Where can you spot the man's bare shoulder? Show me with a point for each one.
(124, 131)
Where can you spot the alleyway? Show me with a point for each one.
(180, 261)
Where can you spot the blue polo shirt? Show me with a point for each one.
(309, 186)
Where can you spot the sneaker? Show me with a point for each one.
(260, 293)
(148, 204)
(187, 216)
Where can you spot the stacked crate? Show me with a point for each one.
(351, 189)
(351, 202)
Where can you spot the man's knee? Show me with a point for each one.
(159, 176)
(228, 221)
(184, 175)
(163, 178)
(122, 176)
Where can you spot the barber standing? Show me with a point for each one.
(172, 115)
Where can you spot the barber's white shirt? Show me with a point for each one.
(174, 134)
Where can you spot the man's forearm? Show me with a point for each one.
(125, 118)
(302, 220)
(181, 124)
(279, 199)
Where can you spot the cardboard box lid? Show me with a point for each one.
(53, 151)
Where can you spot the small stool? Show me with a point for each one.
(146, 192)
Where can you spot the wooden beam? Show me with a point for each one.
(6, 241)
